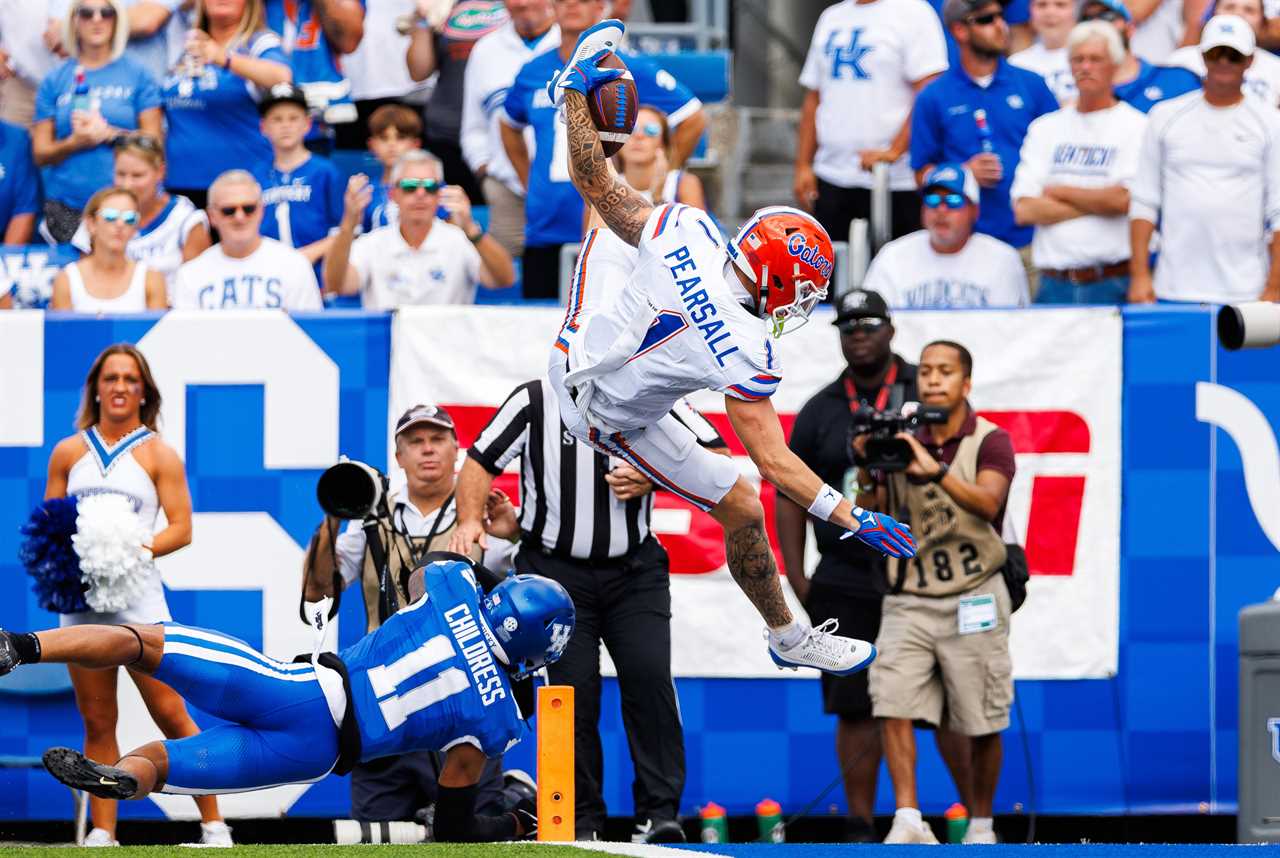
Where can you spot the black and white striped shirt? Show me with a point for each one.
(565, 504)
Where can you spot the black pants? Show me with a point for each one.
(393, 789)
(541, 275)
(836, 206)
(627, 604)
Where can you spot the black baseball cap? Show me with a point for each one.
(958, 10)
(860, 304)
(282, 93)
(431, 415)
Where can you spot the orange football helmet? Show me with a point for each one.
(788, 256)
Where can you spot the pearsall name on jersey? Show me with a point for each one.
(698, 303)
(475, 649)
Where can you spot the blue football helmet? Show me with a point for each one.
(531, 618)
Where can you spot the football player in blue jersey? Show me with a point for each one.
(438, 675)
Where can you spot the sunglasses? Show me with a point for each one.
(230, 211)
(88, 13)
(953, 201)
(651, 129)
(984, 20)
(1110, 15)
(868, 325)
(1222, 52)
(134, 138)
(129, 216)
(412, 186)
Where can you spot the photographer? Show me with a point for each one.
(944, 631)
(848, 584)
(381, 551)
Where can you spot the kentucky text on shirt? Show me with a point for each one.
(101, 93)
(1071, 155)
(476, 651)
(698, 303)
(297, 192)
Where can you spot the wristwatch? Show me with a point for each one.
(941, 473)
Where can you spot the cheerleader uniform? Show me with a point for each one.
(113, 469)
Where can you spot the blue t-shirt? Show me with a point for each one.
(213, 119)
(381, 211)
(122, 90)
(553, 206)
(300, 205)
(943, 129)
(426, 678)
(1155, 84)
(19, 181)
(315, 68)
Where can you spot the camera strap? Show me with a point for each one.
(882, 398)
(415, 556)
(388, 601)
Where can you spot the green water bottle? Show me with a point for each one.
(769, 822)
(715, 826)
(957, 822)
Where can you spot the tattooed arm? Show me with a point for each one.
(621, 206)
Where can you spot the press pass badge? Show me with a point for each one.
(978, 613)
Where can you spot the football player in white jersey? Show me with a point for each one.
(691, 316)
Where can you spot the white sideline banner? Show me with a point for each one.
(1050, 376)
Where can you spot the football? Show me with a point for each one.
(613, 106)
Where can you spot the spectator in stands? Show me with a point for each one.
(377, 76)
(443, 48)
(315, 34)
(849, 581)
(1052, 20)
(149, 32)
(422, 260)
(946, 264)
(301, 192)
(118, 449)
(1138, 82)
(1209, 175)
(25, 59)
(394, 129)
(867, 60)
(211, 95)
(977, 113)
(106, 281)
(944, 631)
(1161, 25)
(553, 207)
(171, 230)
(1262, 77)
(73, 130)
(1073, 180)
(19, 185)
(530, 30)
(644, 163)
(245, 269)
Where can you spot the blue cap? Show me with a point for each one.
(955, 179)
(1116, 6)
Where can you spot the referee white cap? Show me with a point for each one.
(1228, 31)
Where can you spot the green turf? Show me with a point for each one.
(426, 850)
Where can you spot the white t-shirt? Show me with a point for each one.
(862, 62)
(1158, 36)
(1054, 65)
(159, 243)
(275, 276)
(986, 272)
(1210, 177)
(1084, 150)
(377, 68)
(495, 61)
(1262, 78)
(444, 269)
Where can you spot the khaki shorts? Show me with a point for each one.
(926, 667)
(506, 216)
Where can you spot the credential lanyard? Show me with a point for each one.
(882, 398)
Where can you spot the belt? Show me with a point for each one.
(1087, 274)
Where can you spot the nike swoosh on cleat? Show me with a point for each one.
(106, 782)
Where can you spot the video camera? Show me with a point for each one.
(1249, 326)
(352, 490)
(884, 451)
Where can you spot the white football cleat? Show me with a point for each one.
(905, 831)
(216, 834)
(823, 649)
(605, 36)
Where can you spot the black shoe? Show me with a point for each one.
(79, 772)
(519, 792)
(658, 831)
(858, 830)
(8, 654)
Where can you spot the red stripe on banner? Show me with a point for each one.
(470, 420)
(1043, 431)
(1054, 524)
(725, 428)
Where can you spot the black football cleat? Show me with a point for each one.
(79, 772)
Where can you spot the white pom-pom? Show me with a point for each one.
(113, 562)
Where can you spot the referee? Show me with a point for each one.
(585, 522)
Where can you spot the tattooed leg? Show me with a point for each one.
(749, 556)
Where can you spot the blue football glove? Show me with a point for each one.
(883, 532)
(583, 76)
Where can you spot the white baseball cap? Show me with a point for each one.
(1228, 31)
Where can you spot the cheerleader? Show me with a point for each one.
(118, 451)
